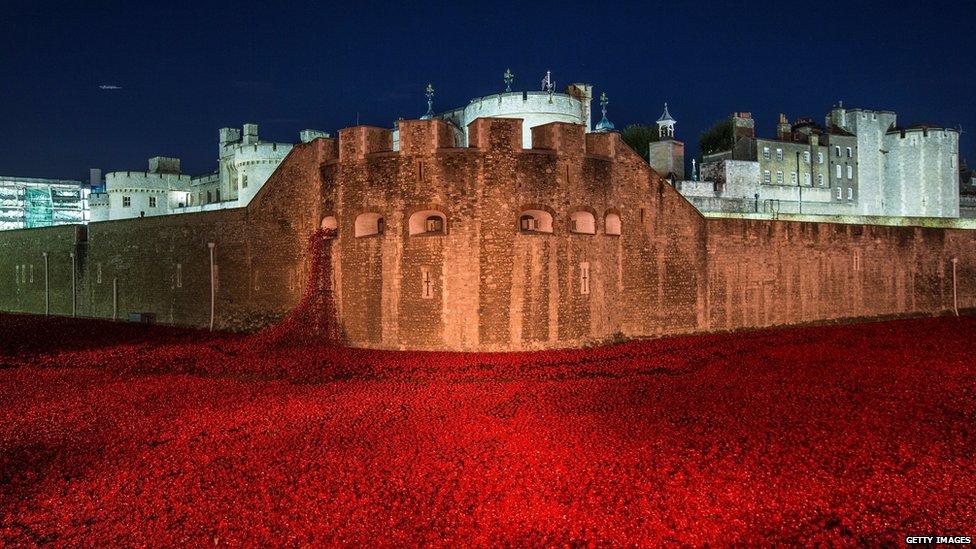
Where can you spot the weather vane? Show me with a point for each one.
(430, 102)
(509, 78)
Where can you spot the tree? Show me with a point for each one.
(718, 138)
(639, 137)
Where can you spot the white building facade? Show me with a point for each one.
(244, 164)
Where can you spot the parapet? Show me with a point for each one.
(602, 144)
(164, 164)
(356, 142)
(495, 133)
(425, 136)
(229, 135)
(309, 135)
(562, 137)
(250, 134)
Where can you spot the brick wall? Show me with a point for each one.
(490, 286)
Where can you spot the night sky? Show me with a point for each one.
(184, 72)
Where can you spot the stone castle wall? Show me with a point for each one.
(491, 285)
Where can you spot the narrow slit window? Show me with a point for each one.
(584, 278)
(426, 284)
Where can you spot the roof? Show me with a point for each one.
(666, 116)
(834, 129)
(604, 125)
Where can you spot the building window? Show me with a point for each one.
(244, 181)
(426, 285)
(427, 222)
(98, 273)
(857, 260)
(217, 195)
(611, 224)
(584, 278)
(16, 274)
(819, 158)
(806, 156)
(126, 201)
(839, 191)
(820, 179)
(152, 201)
(806, 180)
(535, 221)
(32, 273)
(837, 171)
(766, 153)
(850, 172)
(850, 193)
(779, 154)
(369, 224)
(766, 176)
(837, 151)
(793, 178)
(209, 197)
(850, 153)
(582, 222)
(779, 177)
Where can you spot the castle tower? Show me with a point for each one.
(667, 155)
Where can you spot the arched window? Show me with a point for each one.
(369, 224)
(427, 222)
(582, 222)
(611, 224)
(329, 222)
(535, 221)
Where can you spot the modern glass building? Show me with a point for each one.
(27, 202)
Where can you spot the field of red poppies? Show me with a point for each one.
(114, 434)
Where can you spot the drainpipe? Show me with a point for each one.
(47, 289)
(115, 298)
(74, 303)
(955, 295)
(213, 290)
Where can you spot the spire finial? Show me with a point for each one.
(508, 77)
(604, 125)
(430, 103)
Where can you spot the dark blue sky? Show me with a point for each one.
(187, 71)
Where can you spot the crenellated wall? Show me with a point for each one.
(487, 247)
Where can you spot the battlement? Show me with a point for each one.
(259, 151)
(495, 133)
(424, 136)
(145, 181)
(561, 137)
(164, 164)
(358, 141)
(923, 130)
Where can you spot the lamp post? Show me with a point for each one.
(74, 293)
(47, 288)
(213, 290)
(798, 183)
(955, 294)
